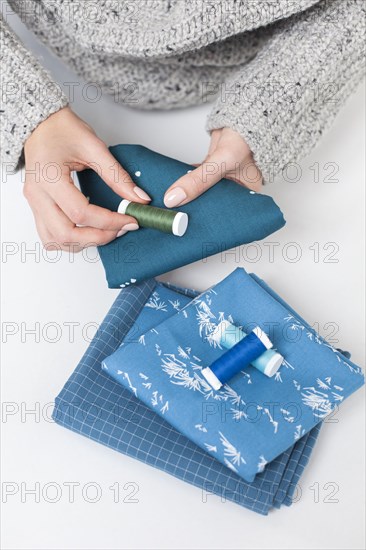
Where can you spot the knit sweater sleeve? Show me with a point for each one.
(285, 98)
(28, 96)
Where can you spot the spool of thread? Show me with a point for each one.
(162, 219)
(228, 335)
(237, 358)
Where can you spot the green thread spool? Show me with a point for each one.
(156, 218)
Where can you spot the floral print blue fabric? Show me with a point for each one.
(253, 419)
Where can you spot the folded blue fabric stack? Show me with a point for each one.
(149, 402)
(212, 226)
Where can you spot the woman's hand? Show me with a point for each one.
(228, 157)
(64, 218)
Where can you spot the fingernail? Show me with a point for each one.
(141, 193)
(175, 197)
(126, 228)
(130, 227)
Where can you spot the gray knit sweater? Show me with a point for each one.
(278, 71)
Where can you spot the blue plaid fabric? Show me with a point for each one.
(93, 404)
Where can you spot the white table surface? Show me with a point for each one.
(170, 513)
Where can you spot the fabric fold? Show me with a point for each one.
(225, 216)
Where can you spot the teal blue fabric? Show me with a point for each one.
(252, 419)
(94, 405)
(226, 216)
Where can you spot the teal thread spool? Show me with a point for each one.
(228, 335)
(162, 219)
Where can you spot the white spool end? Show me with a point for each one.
(122, 207)
(263, 337)
(211, 378)
(180, 224)
(221, 328)
(273, 365)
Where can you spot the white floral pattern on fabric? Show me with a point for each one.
(253, 419)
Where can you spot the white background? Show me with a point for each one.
(170, 513)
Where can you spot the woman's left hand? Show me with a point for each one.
(228, 157)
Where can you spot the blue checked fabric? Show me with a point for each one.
(94, 405)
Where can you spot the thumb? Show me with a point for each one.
(194, 183)
(114, 175)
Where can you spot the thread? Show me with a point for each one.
(237, 358)
(228, 335)
(162, 219)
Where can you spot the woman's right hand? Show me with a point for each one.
(64, 218)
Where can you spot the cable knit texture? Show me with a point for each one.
(278, 70)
